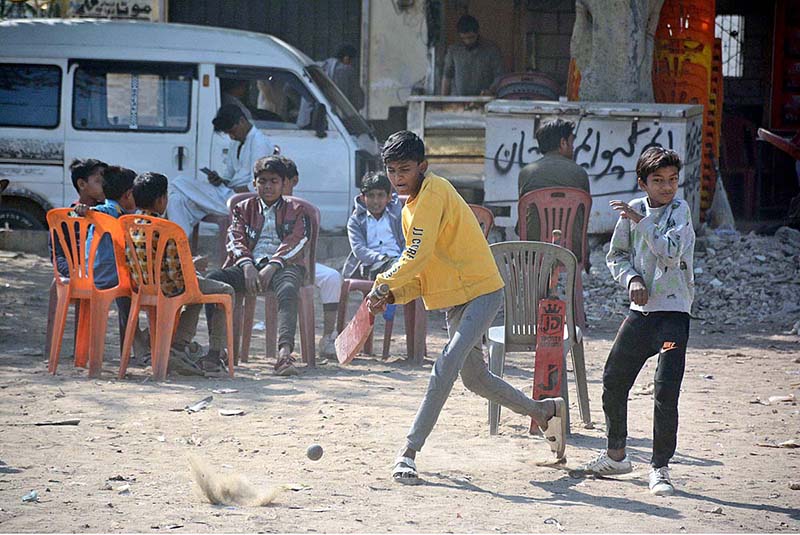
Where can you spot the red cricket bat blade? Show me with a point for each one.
(548, 366)
(354, 336)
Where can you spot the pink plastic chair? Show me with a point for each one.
(557, 209)
(485, 218)
(305, 310)
(222, 222)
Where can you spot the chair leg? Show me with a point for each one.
(57, 335)
(580, 313)
(306, 313)
(130, 331)
(166, 326)
(387, 338)
(579, 365)
(271, 324)
(342, 310)
(51, 314)
(247, 326)
(195, 237)
(565, 389)
(416, 320)
(496, 358)
(82, 334)
(99, 324)
(238, 314)
(227, 307)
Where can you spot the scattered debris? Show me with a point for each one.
(730, 285)
(32, 496)
(73, 421)
(161, 438)
(793, 443)
(781, 399)
(794, 486)
(714, 511)
(224, 391)
(123, 489)
(200, 405)
(231, 412)
(554, 522)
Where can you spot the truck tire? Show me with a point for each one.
(21, 214)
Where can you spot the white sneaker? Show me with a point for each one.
(604, 465)
(660, 483)
(327, 346)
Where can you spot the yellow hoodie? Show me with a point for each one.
(447, 260)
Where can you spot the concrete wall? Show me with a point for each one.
(398, 55)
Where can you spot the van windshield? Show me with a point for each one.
(352, 120)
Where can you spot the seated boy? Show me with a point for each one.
(87, 179)
(375, 229)
(266, 242)
(150, 193)
(328, 280)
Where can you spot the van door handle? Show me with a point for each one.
(181, 151)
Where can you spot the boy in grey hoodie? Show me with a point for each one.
(375, 229)
(651, 257)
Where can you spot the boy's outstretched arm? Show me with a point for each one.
(421, 239)
(669, 244)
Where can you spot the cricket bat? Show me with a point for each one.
(352, 339)
(548, 364)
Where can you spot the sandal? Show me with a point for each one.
(556, 430)
(405, 471)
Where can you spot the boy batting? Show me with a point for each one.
(448, 262)
(651, 256)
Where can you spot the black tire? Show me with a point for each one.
(19, 214)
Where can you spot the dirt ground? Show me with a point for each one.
(130, 436)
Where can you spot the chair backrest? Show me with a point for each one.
(236, 198)
(157, 233)
(72, 231)
(485, 218)
(312, 212)
(557, 209)
(525, 267)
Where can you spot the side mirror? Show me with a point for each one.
(319, 119)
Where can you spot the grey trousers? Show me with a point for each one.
(466, 324)
(187, 324)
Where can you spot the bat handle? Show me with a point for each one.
(556, 236)
(380, 291)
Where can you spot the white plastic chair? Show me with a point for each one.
(525, 267)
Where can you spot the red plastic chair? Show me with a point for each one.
(305, 309)
(80, 288)
(163, 311)
(222, 222)
(485, 218)
(557, 209)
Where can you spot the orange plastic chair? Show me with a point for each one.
(163, 311)
(485, 218)
(305, 309)
(557, 209)
(80, 288)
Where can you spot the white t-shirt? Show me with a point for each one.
(380, 237)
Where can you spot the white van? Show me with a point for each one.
(143, 95)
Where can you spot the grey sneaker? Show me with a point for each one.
(604, 465)
(327, 347)
(213, 364)
(180, 364)
(660, 483)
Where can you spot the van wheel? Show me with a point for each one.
(21, 214)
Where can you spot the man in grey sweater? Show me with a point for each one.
(651, 257)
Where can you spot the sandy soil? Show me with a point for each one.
(727, 480)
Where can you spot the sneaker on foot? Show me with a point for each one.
(660, 483)
(604, 465)
(180, 364)
(327, 345)
(213, 364)
(285, 367)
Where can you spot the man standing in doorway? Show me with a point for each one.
(193, 198)
(341, 70)
(471, 66)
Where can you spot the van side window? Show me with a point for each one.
(143, 97)
(275, 99)
(30, 95)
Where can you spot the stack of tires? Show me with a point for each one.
(687, 69)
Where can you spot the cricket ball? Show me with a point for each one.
(314, 452)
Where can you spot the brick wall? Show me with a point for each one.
(549, 30)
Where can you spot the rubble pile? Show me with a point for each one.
(739, 280)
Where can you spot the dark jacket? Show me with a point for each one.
(245, 229)
(360, 255)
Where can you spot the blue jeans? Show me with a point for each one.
(466, 324)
